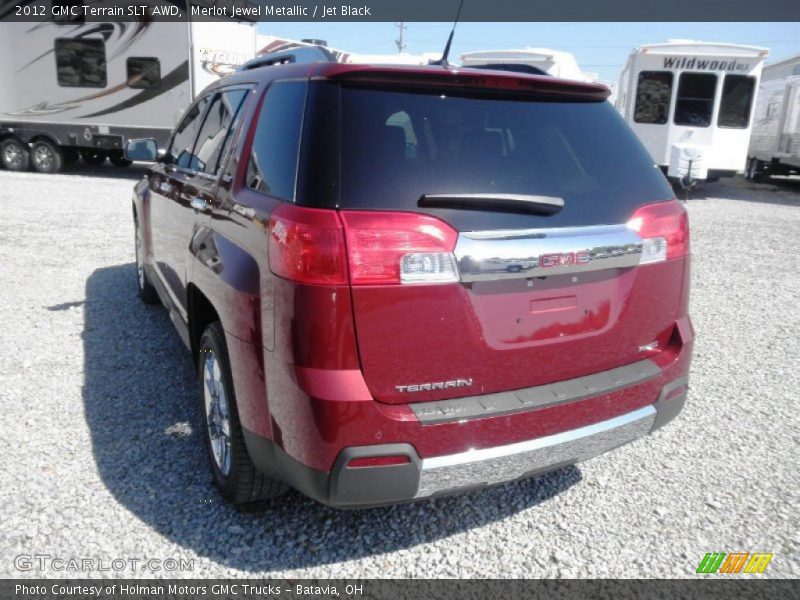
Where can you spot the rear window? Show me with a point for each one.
(398, 145)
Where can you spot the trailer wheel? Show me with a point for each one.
(46, 157)
(15, 155)
(93, 157)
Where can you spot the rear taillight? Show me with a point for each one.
(395, 247)
(664, 227)
(307, 245)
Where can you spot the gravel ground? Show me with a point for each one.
(101, 455)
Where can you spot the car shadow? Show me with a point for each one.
(139, 397)
(775, 190)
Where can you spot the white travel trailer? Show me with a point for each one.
(775, 143)
(691, 105)
(73, 89)
(274, 46)
(551, 62)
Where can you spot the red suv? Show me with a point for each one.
(404, 282)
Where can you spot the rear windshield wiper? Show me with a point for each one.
(517, 203)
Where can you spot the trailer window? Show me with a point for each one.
(653, 93)
(737, 99)
(214, 136)
(272, 167)
(80, 62)
(144, 73)
(695, 103)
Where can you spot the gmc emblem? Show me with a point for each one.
(564, 259)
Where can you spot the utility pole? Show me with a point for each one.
(401, 45)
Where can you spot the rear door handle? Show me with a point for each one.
(199, 204)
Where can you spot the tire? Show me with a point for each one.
(93, 157)
(46, 157)
(15, 155)
(234, 473)
(147, 293)
(118, 160)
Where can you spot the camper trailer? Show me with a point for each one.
(543, 60)
(775, 143)
(73, 89)
(691, 105)
(277, 50)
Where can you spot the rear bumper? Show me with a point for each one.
(420, 478)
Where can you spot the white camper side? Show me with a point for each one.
(552, 62)
(83, 89)
(691, 104)
(775, 143)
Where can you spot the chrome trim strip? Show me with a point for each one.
(530, 445)
(541, 396)
(524, 253)
(489, 466)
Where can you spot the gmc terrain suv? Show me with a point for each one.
(404, 282)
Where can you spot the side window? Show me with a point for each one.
(653, 94)
(216, 132)
(272, 168)
(695, 103)
(80, 62)
(737, 99)
(180, 150)
(144, 73)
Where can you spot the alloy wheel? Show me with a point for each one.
(217, 412)
(43, 157)
(12, 155)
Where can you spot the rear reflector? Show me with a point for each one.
(396, 247)
(664, 228)
(377, 461)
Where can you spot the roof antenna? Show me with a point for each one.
(443, 61)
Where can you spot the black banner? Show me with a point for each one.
(398, 10)
(724, 588)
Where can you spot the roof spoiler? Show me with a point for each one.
(467, 78)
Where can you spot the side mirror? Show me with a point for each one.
(145, 149)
